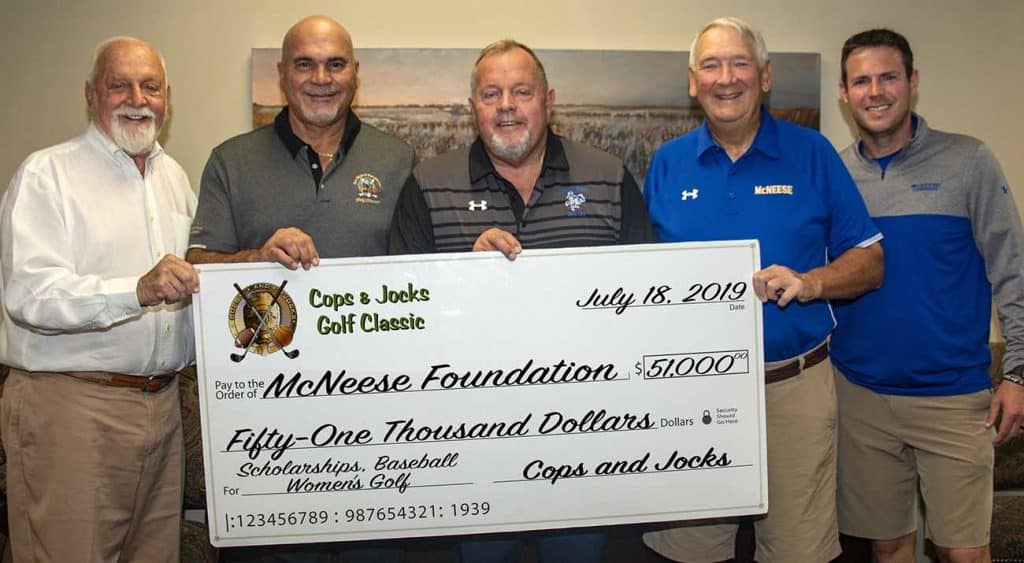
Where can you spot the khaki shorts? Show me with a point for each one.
(890, 444)
(801, 521)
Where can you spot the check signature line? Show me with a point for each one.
(545, 481)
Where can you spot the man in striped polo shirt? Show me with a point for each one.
(519, 185)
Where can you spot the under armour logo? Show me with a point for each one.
(478, 205)
(691, 194)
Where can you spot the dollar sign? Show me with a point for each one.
(639, 370)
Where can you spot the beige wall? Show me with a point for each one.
(969, 53)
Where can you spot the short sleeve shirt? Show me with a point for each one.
(790, 191)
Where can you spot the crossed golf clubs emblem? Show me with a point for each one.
(262, 324)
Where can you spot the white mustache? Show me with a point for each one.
(321, 91)
(134, 112)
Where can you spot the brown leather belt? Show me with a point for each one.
(792, 369)
(144, 383)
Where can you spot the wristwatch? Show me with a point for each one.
(1015, 375)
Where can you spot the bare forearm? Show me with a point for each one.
(288, 246)
(203, 256)
(851, 275)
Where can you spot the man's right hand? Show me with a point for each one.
(170, 281)
(497, 239)
(291, 248)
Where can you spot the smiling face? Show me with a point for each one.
(318, 73)
(726, 78)
(879, 92)
(511, 106)
(128, 95)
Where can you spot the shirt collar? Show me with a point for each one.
(294, 144)
(480, 164)
(919, 129)
(100, 139)
(766, 141)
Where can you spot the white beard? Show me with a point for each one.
(322, 117)
(136, 139)
(513, 150)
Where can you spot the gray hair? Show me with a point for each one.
(102, 47)
(743, 28)
(503, 46)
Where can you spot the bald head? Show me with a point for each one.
(108, 47)
(314, 28)
(319, 75)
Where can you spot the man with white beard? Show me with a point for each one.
(522, 185)
(519, 185)
(95, 325)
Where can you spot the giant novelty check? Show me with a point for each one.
(453, 394)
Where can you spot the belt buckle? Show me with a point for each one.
(154, 378)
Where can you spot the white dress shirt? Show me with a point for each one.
(79, 225)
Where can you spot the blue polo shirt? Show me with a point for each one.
(790, 191)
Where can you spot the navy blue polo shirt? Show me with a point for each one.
(790, 191)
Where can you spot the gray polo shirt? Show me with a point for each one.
(267, 179)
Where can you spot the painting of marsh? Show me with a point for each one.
(625, 102)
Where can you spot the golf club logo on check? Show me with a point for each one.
(262, 320)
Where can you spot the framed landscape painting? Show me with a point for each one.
(625, 102)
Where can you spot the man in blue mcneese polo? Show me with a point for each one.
(745, 175)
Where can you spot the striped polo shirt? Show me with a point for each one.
(583, 197)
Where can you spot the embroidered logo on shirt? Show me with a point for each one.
(925, 187)
(478, 205)
(262, 320)
(691, 194)
(368, 188)
(774, 189)
(575, 197)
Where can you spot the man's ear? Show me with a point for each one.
(766, 77)
(549, 99)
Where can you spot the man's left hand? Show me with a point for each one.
(170, 281)
(1009, 402)
(782, 284)
(498, 239)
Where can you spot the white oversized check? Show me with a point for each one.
(453, 394)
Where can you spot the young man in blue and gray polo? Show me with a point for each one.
(915, 400)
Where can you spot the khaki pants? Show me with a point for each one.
(94, 473)
(801, 521)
